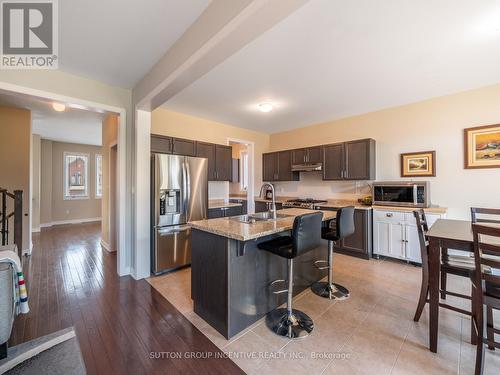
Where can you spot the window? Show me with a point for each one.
(98, 176)
(76, 175)
(244, 170)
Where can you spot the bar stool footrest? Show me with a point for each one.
(318, 264)
(279, 291)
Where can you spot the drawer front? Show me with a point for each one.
(388, 216)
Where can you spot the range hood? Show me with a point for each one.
(307, 167)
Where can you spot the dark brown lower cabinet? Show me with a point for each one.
(243, 202)
(360, 243)
(214, 213)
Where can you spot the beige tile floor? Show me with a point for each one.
(370, 333)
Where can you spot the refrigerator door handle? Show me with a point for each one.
(184, 191)
(187, 189)
(169, 231)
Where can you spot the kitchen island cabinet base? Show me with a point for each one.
(230, 279)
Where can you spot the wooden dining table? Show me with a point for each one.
(445, 234)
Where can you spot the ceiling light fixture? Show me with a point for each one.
(266, 107)
(59, 107)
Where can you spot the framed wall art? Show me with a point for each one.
(482, 147)
(418, 164)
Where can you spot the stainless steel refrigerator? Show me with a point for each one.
(179, 194)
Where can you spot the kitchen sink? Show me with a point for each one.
(267, 215)
(254, 218)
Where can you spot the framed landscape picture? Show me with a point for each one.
(418, 164)
(482, 147)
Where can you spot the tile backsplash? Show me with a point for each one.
(311, 185)
(218, 190)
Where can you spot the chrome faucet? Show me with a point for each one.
(273, 204)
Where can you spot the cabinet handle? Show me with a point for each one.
(388, 214)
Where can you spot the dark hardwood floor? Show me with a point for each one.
(119, 322)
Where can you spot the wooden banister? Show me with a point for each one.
(17, 196)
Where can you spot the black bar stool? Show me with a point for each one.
(291, 322)
(343, 226)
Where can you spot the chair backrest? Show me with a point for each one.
(345, 222)
(485, 215)
(306, 232)
(487, 253)
(422, 228)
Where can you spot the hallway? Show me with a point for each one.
(72, 281)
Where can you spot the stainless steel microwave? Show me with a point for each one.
(407, 194)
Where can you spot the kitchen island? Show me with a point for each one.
(230, 276)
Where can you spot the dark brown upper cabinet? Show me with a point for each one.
(161, 143)
(360, 160)
(219, 156)
(333, 162)
(306, 155)
(223, 163)
(183, 147)
(354, 160)
(207, 150)
(277, 166)
(269, 166)
(219, 160)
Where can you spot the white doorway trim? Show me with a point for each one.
(124, 252)
(251, 171)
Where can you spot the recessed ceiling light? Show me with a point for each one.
(266, 107)
(59, 107)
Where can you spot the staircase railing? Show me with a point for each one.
(17, 214)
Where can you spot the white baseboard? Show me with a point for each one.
(106, 246)
(73, 221)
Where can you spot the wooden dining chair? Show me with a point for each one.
(488, 216)
(485, 215)
(486, 284)
(449, 264)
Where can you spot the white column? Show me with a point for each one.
(141, 252)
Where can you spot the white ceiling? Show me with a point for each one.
(117, 41)
(336, 58)
(72, 126)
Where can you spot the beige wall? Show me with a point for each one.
(35, 182)
(15, 141)
(109, 138)
(184, 126)
(62, 210)
(435, 124)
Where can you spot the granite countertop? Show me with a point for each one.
(431, 210)
(221, 203)
(236, 230)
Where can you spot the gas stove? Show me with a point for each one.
(303, 203)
